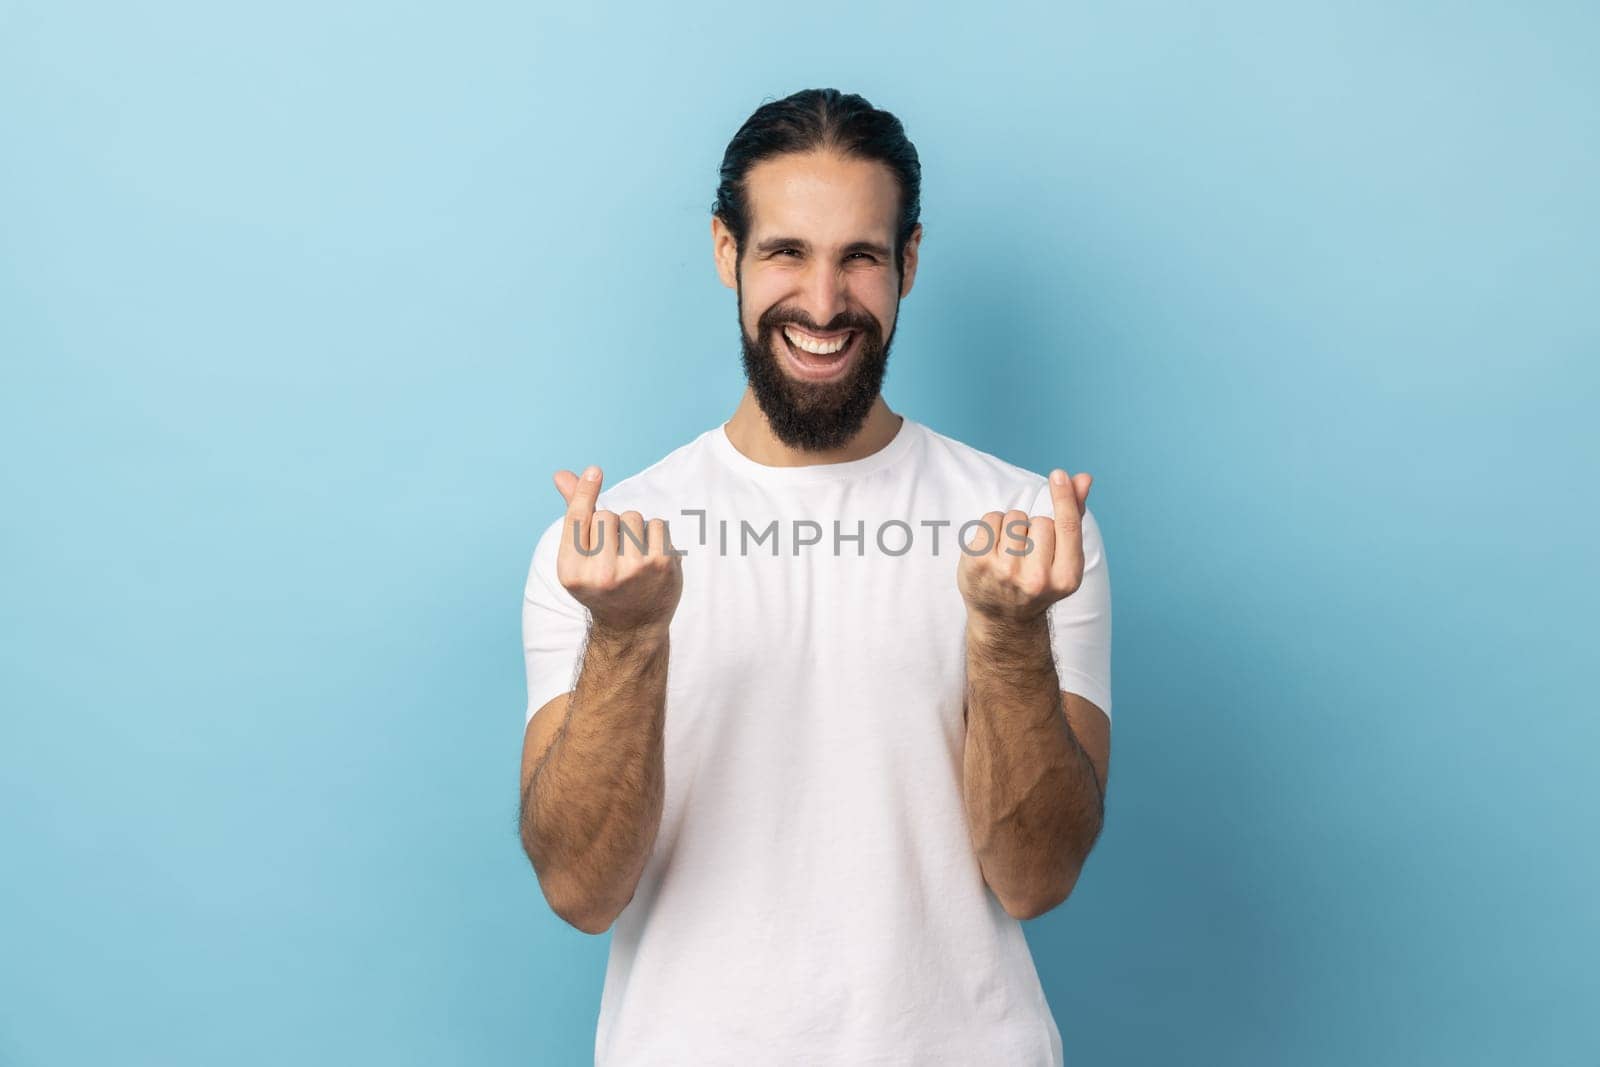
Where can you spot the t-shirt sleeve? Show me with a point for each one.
(554, 625)
(1080, 625)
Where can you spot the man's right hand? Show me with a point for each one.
(627, 590)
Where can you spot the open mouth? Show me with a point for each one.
(819, 357)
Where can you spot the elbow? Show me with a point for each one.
(571, 903)
(580, 913)
(1032, 907)
(589, 922)
(1047, 899)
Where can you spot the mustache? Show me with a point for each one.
(848, 321)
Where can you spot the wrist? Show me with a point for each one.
(629, 634)
(995, 629)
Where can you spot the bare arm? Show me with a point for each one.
(1033, 768)
(592, 773)
(593, 779)
(1033, 791)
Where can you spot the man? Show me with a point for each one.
(816, 750)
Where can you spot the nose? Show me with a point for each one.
(823, 293)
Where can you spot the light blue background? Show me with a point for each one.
(301, 304)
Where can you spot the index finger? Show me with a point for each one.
(580, 508)
(1064, 498)
(1067, 563)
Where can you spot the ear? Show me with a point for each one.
(910, 275)
(725, 252)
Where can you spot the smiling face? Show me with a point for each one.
(819, 292)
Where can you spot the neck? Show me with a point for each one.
(752, 435)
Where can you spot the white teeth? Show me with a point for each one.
(815, 347)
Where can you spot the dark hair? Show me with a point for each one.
(820, 119)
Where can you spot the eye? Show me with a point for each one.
(786, 251)
(863, 255)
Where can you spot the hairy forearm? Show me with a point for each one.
(1034, 805)
(593, 803)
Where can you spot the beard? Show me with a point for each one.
(815, 416)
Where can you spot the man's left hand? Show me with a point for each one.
(1013, 581)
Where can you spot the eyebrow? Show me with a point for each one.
(773, 244)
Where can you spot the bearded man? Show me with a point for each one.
(813, 752)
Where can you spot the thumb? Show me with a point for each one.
(1082, 482)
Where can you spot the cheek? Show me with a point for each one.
(758, 299)
(752, 315)
(877, 296)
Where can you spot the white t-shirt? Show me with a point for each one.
(813, 896)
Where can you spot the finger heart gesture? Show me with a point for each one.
(1023, 564)
(623, 568)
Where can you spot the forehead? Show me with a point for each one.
(822, 197)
